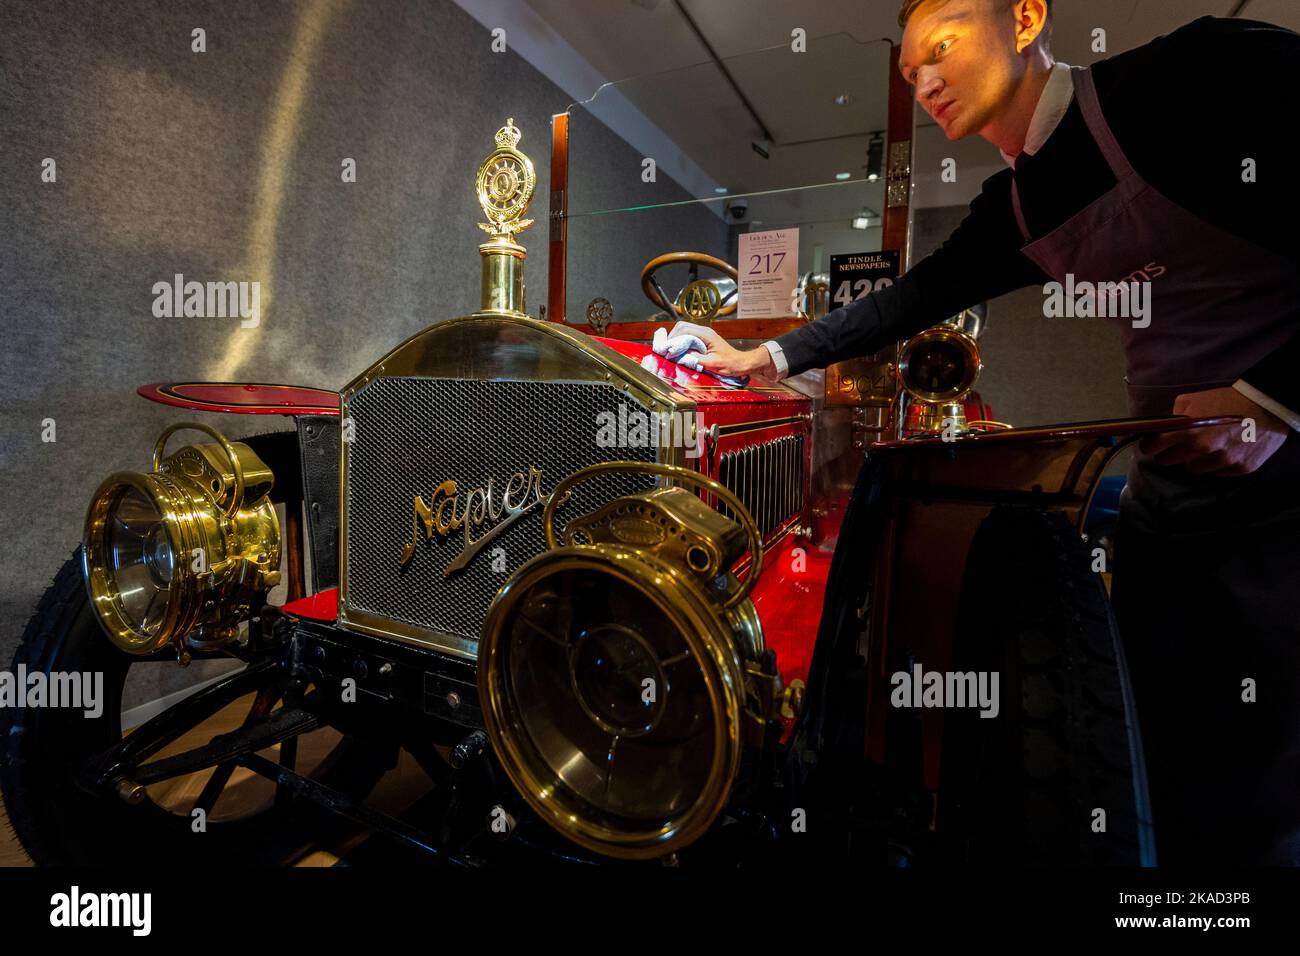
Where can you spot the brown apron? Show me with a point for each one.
(1207, 570)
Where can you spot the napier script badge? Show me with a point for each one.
(445, 515)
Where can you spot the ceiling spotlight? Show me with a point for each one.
(842, 176)
(872, 177)
(720, 190)
(842, 100)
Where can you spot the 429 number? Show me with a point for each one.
(851, 290)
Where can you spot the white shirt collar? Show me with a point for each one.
(1052, 105)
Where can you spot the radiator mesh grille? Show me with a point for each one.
(411, 434)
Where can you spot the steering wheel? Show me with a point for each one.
(655, 293)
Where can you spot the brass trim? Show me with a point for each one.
(739, 428)
(779, 535)
(964, 344)
(708, 633)
(222, 533)
(700, 300)
(414, 357)
(743, 516)
(232, 458)
(379, 626)
(583, 359)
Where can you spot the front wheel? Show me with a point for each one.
(1057, 778)
(43, 751)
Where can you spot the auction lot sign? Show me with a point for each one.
(768, 273)
(868, 380)
(857, 274)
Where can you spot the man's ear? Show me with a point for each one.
(1031, 21)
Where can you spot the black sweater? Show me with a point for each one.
(1186, 108)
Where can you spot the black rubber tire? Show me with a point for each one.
(1023, 788)
(60, 824)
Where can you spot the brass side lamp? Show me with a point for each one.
(937, 369)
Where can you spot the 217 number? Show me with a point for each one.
(756, 271)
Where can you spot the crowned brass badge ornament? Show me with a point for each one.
(505, 184)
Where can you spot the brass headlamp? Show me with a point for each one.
(620, 673)
(176, 554)
(938, 368)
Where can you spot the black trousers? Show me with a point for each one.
(1209, 611)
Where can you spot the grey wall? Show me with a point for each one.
(1037, 371)
(225, 165)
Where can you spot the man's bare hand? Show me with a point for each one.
(723, 359)
(1221, 450)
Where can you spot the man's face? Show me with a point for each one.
(961, 58)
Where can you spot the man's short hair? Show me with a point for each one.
(909, 7)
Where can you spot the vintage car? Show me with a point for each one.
(615, 609)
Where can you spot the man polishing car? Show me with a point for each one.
(1163, 165)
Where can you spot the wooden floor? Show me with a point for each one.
(247, 793)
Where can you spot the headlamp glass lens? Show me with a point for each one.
(141, 559)
(939, 366)
(610, 696)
